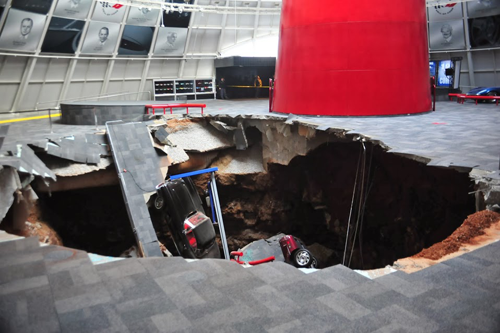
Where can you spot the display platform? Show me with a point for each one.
(99, 112)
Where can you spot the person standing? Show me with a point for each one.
(257, 84)
(222, 88)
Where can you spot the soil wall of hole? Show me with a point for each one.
(409, 205)
(94, 220)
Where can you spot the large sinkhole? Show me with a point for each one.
(400, 206)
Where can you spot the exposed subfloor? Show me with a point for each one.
(171, 295)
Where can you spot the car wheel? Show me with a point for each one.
(492, 93)
(159, 202)
(302, 258)
(314, 263)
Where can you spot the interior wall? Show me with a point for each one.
(480, 64)
(35, 81)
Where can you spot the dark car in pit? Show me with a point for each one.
(296, 253)
(485, 91)
(180, 208)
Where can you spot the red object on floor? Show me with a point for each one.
(237, 256)
(476, 98)
(171, 106)
(451, 95)
(352, 58)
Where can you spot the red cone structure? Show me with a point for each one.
(352, 58)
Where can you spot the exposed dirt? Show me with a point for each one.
(409, 205)
(478, 230)
(175, 125)
(36, 227)
(475, 225)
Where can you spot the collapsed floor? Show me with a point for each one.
(275, 177)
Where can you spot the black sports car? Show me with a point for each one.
(482, 91)
(180, 208)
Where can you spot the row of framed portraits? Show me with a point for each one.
(103, 11)
(23, 30)
(484, 32)
(454, 10)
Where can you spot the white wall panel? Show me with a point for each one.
(148, 86)
(81, 68)
(7, 95)
(48, 95)
(97, 69)
(119, 87)
(91, 89)
(213, 20)
(119, 70)
(485, 79)
(205, 68)
(81, 89)
(13, 69)
(50, 69)
(241, 36)
(483, 60)
(247, 21)
(190, 68)
(58, 69)
(28, 102)
(134, 69)
(204, 41)
(40, 70)
(465, 82)
(163, 69)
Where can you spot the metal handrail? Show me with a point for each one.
(89, 97)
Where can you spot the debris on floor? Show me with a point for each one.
(479, 229)
(240, 162)
(197, 136)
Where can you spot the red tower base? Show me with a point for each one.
(352, 58)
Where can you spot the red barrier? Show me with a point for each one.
(171, 106)
(476, 98)
(353, 58)
(451, 95)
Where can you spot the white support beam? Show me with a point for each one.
(180, 73)
(256, 22)
(223, 31)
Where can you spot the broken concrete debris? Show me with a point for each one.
(221, 126)
(240, 138)
(197, 136)
(161, 135)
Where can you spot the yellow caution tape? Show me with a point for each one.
(30, 118)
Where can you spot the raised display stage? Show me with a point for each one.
(99, 112)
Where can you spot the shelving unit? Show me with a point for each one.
(173, 90)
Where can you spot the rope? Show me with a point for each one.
(359, 204)
(350, 210)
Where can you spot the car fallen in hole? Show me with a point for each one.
(178, 207)
(296, 253)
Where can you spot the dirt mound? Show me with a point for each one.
(472, 227)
